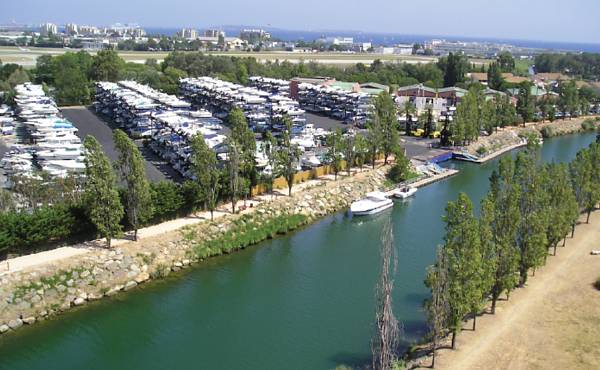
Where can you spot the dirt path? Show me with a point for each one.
(554, 323)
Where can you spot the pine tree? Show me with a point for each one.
(130, 165)
(101, 194)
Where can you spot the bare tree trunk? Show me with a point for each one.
(474, 320)
(135, 234)
(572, 231)
(564, 241)
(434, 350)
(587, 221)
(454, 339)
(387, 331)
(211, 215)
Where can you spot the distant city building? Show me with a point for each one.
(89, 30)
(71, 29)
(254, 35)
(132, 30)
(213, 33)
(188, 33)
(48, 29)
(361, 46)
(341, 41)
(397, 50)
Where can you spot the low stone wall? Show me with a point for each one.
(37, 293)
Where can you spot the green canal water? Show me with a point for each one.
(304, 301)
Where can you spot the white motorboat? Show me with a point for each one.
(405, 192)
(62, 153)
(373, 203)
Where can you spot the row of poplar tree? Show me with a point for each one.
(529, 210)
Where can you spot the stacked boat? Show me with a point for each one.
(264, 110)
(165, 120)
(333, 101)
(46, 141)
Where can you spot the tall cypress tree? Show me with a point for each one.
(500, 213)
(101, 194)
(206, 169)
(462, 248)
(531, 233)
(130, 166)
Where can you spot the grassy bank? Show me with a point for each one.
(243, 232)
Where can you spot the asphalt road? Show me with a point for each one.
(89, 124)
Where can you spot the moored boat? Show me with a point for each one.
(373, 203)
(405, 192)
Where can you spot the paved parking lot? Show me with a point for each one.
(324, 122)
(90, 124)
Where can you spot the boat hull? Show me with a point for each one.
(372, 211)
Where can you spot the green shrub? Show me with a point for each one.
(588, 124)
(167, 199)
(547, 132)
(481, 150)
(22, 231)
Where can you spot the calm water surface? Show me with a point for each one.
(304, 301)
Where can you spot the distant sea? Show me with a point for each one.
(390, 39)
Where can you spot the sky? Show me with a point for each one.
(543, 20)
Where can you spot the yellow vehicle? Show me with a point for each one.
(419, 132)
(435, 135)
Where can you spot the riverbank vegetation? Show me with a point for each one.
(244, 232)
(528, 211)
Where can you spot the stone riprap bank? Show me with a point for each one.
(37, 293)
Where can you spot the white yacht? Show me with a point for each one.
(405, 192)
(373, 203)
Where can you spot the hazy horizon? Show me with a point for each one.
(536, 20)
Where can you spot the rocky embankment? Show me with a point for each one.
(512, 136)
(37, 293)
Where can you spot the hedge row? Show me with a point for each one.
(24, 232)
